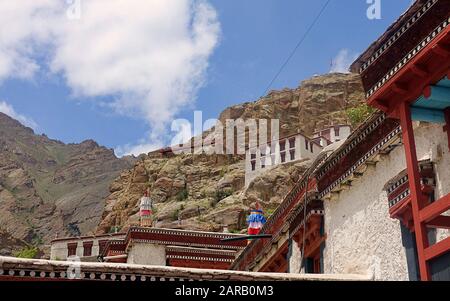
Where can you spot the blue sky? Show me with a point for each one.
(255, 38)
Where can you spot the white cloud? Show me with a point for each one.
(142, 147)
(343, 60)
(149, 56)
(9, 110)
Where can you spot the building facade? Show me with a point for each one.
(289, 149)
(379, 204)
(332, 134)
(153, 246)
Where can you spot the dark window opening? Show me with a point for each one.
(87, 248)
(336, 130)
(71, 249)
(314, 263)
(292, 154)
(253, 156)
(253, 165)
(102, 244)
(283, 157)
(292, 143)
(306, 143)
(282, 145)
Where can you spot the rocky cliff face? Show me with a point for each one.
(206, 192)
(48, 188)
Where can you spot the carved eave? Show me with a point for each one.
(425, 66)
(404, 40)
(365, 148)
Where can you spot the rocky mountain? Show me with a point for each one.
(206, 192)
(49, 188)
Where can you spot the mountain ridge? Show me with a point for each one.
(50, 188)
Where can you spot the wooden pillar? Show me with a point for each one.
(417, 198)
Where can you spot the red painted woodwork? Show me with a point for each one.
(194, 240)
(440, 222)
(272, 226)
(417, 198)
(418, 30)
(437, 249)
(278, 262)
(389, 96)
(355, 154)
(313, 238)
(72, 249)
(435, 209)
(402, 211)
(87, 248)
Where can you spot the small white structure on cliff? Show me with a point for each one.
(289, 149)
(332, 134)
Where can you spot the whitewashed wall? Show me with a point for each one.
(361, 237)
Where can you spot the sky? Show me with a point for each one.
(120, 71)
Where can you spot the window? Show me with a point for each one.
(253, 165)
(283, 157)
(292, 154)
(87, 248)
(306, 143)
(252, 156)
(263, 162)
(336, 130)
(102, 244)
(292, 143)
(71, 249)
(282, 145)
(312, 147)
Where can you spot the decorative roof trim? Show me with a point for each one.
(184, 232)
(311, 213)
(408, 57)
(160, 242)
(199, 258)
(361, 161)
(382, 49)
(350, 144)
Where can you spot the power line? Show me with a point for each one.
(305, 35)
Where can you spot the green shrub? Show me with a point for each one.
(270, 211)
(182, 195)
(27, 252)
(115, 229)
(220, 195)
(175, 214)
(358, 114)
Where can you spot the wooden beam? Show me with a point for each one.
(417, 198)
(435, 209)
(441, 50)
(440, 222)
(419, 70)
(438, 94)
(437, 249)
(399, 88)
